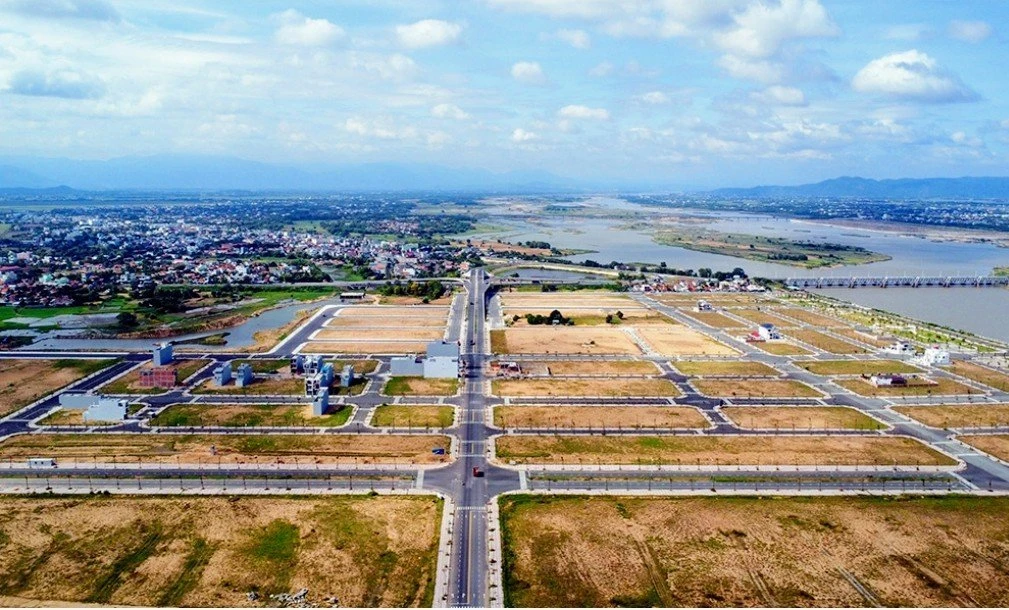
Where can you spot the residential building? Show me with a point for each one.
(162, 355)
(222, 374)
(244, 376)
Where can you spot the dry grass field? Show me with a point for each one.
(715, 298)
(778, 388)
(825, 342)
(715, 449)
(364, 347)
(212, 551)
(811, 317)
(781, 348)
(22, 382)
(384, 322)
(560, 300)
(130, 382)
(919, 386)
(418, 311)
(683, 341)
(598, 417)
(985, 415)
(591, 317)
(418, 386)
(810, 418)
(851, 333)
(755, 552)
(981, 374)
(615, 387)
(993, 444)
(763, 316)
(725, 367)
(379, 334)
(245, 415)
(562, 340)
(230, 449)
(413, 416)
(713, 319)
(858, 367)
(635, 368)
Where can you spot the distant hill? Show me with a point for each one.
(904, 188)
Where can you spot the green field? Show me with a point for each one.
(197, 415)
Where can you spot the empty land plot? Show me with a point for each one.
(191, 415)
(562, 340)
(592, 317)
(751, 552)
(598, 417)
(715, 298)
(811, 317)
(776, 388)
(22, 382)
(393, 312)
(719, 449)
(780, 348)
(418, 386)
(230, 449)
(825, 342)
(959, 416)
(981, 374)
(636, 368)
(858, 367)
(585, 387)
(992, 444)
(873, 340)
(413, 416)
(211, 551)
(379, 334)
(725, 368)
(824, 418)
(364, 347)
(276, 386)
(916, 386)
(712, 318)
(130, 382)
(682, 341)
(384, 322)
(763, 316)
(557, 300)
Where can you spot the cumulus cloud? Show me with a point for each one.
(68, 84)
(428, 33)
(654, 97)
(911, 75)
(521, 135)
(760, 30)
(970, 31)
(528, 72)
(94, 10)
(578, 39)
(760, 70)
(577, 111)
(449, 111)
(394, 67)
(780, 96)
(297, 29)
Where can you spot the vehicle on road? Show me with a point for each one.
(38, 462)
(477, 472)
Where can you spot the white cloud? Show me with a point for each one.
(66, 84)
(960, 137)
(528, 72)
(393, 67)
(577, 111)
(428, 33)
(578, 39)
(911, 75)
(584, 9)
(760, 70)
(970, 31)
(781, 96)
(654, 97)
(602, 69)
(297, 29)
(521, 135)
(449, 111)
(761, 29)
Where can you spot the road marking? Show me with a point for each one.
(420, 479)
(523, 481)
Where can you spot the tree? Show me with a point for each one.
(126, 320)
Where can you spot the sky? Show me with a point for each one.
(680, 92)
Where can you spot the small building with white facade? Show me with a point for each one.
(441, 362)
(320, 403)
(767, 332)
(162, 355)
(222, 374)
(244, 376)
(103, 408)
(900, 348)
(935, 356)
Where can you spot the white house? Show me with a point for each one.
(900, 348)
(935, 356)
(767, 332)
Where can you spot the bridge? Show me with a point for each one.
(907, 281)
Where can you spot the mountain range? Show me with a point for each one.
(903, 188)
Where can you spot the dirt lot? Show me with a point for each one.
(764, 316)
(425, 311)
(851, 333)
(598, 417)
(635, 368)
(825, 342)
(682, 341)
(858, 367)
(364, 347)
(384, 322)
(413, 416)
(714, 449)
(130, 382)
(715, 298)
(755, 552)
(811, 317)
(562, 340)
(780, 348)
(823, 418)
(585, 387)
(380, 334)
(783, 388)
(725, 367)
(713, 318)
(211, 551)
(196, 448)
(418, 386)
(995, 444)
(959, 416)
(22, 382)
(916, 387)
(559, 300)
(195, 415)
(981, 374)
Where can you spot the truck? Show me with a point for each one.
(39, 462)
(477, 472)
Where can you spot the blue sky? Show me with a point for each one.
(682, 92)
